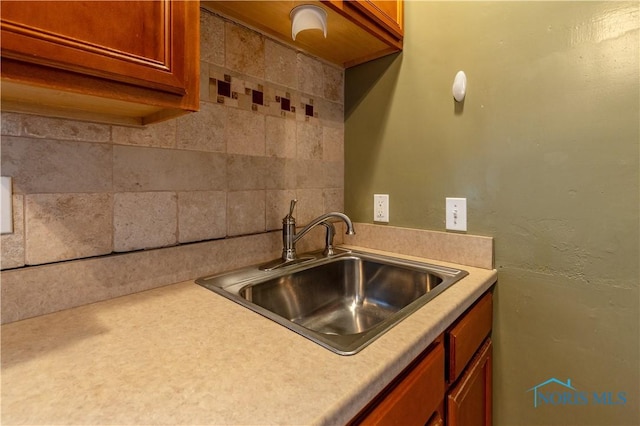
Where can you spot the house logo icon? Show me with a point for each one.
(536, 388)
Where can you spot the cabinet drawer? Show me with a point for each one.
(413, 399)
(466, 336)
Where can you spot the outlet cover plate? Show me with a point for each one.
(381, 208)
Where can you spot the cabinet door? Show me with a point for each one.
(129, 41)
(137, 53)
(469, 401)
(415, 397)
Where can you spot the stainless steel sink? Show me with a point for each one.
(343, 302)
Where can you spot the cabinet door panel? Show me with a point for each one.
(469, 402)
(79, 36)
(414, 399)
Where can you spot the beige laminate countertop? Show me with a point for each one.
(182, 354)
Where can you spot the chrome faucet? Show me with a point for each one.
(290, 237)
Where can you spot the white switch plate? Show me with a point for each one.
(6, 206)
(456, 211)
(381, 207)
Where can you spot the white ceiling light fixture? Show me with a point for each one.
(308, 17)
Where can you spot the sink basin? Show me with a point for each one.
(343, 302)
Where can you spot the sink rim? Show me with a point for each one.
(230, 284)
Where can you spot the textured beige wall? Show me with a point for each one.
(88, 189)
(546, 150)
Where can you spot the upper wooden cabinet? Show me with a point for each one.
(388, 14)
(358, 31)
(130, 62)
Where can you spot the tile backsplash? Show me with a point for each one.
(270, 128)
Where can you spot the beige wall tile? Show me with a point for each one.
(278, 202)
(333, 200)
(333, 143)
(57, 128)
(160, 135)
(280, 173)
(331, 113)
(309, 141)
(244, 50)
(245, 172)
(155, 169)
(310, 75)
(245, 132)
(12, 245)
(203, 130)
(205, 84)
(67, 226)
(333, 174)
(144, 220)
(333, 83)
(202, 215)
(211, 38)
(44, 166)
(280, 64)
(245, 212)
(280, 137)
(310, 205)
(310, 174)
(11, 124)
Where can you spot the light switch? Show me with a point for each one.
(456, 212)
(6, 207)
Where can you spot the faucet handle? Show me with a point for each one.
(293, 206)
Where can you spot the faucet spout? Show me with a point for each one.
(325, 219)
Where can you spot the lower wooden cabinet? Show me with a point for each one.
(469, 349)
(448, 384)
(469, 401)
(414, 397)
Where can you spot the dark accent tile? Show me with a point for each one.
(234, 95)
(285, 104)
(224, 88)
(227, 78)
(247, 91)
(257, 97)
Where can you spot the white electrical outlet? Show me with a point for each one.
(381, 207)
(6, 207)
(456, 211)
